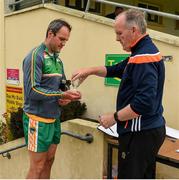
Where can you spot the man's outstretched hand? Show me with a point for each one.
(81, 74)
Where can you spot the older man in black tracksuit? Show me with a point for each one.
(140, 124)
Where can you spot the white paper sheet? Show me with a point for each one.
(112, 131)
(174, 133)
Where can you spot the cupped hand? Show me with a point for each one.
(71, 95)
(63, 102)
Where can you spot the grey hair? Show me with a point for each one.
(136, 17)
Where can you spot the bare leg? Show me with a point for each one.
(49, 161)
(37, 162)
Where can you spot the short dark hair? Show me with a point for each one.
(56, 25)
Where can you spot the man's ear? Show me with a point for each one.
(134, 29)
(50, 33)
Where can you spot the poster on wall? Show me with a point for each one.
(14, 98)
(110, 60)
(13, 76)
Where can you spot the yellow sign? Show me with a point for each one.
(14, 98)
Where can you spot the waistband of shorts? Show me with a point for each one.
(40, 119)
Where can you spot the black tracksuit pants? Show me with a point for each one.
(137, 153)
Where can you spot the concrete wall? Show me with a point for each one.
(2, 60)
(92, 37)
(17, 166)
(164, 171)
(75, 159)
(79, 159)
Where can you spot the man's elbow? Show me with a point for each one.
(144, 108)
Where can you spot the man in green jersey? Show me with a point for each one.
(43, 76)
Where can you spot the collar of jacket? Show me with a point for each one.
(52, 55)
(138, 42)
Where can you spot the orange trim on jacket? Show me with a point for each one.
(145, 58)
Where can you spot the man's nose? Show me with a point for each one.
(118, 39)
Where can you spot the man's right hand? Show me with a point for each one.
(72, 95)
(81, 74)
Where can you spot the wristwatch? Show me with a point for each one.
(116, 117)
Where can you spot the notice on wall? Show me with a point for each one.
(13, 76)
(14, 98)
(112, 59)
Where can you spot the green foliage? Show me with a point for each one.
(73, 110)
(3, 132)
(16, 124)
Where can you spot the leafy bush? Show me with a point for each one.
(16, 124)
(73, 110)
(3, 132)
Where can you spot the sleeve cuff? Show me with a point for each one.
(133, 109)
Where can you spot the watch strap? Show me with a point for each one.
(116, 117)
